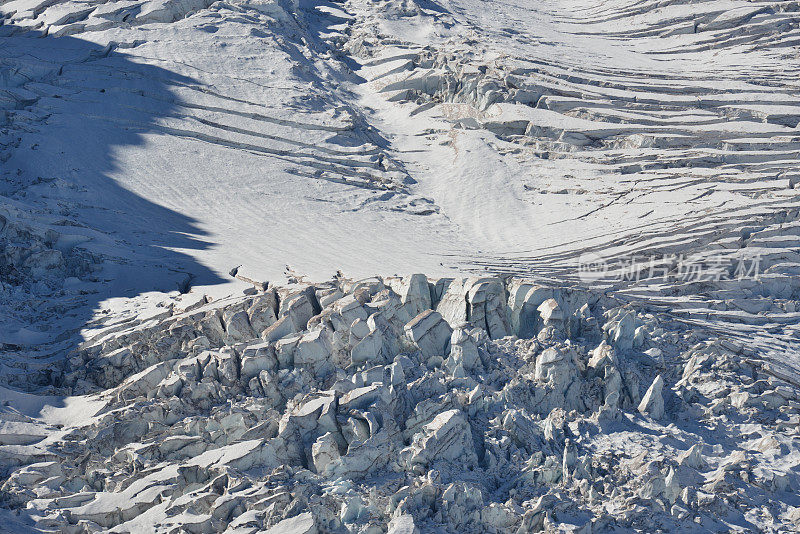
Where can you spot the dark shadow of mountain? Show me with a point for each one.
(66, 106)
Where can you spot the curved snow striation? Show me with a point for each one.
(577, 130)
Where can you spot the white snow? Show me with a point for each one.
(180, 177)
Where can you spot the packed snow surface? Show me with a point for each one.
(196, 199)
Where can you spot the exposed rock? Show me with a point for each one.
(248, 276)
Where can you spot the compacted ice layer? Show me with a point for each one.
(403, 405)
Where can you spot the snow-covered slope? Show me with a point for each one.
(648, 152)
(611, 131)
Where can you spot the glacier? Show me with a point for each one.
(214, 216)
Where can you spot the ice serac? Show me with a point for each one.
(324, 451)
(478, 302)
(430, 332)
(447, 438)
(300, 524)
(407, 426)
(524, 299)
(463, 350)
(653, 401)
(415, 295)
(403, 524)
